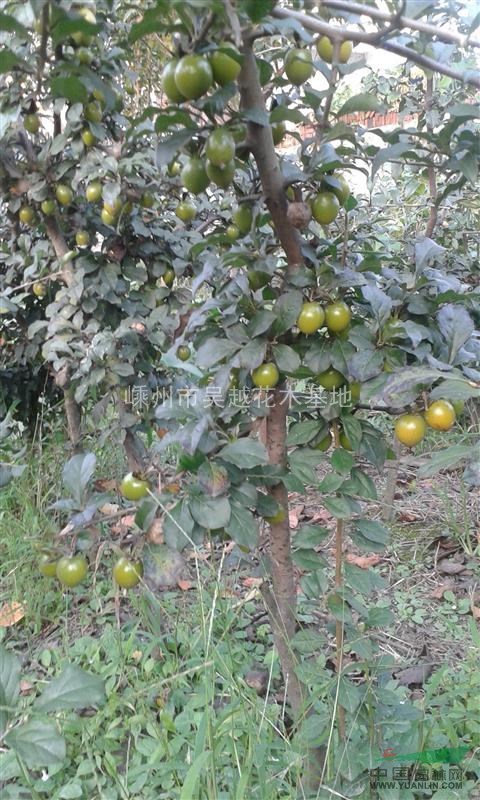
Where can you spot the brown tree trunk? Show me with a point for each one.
(73, 415)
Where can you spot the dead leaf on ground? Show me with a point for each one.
(408, 516)
(109, 508)
(25, 687)
(414, 675)
(476, 612)
(105, 485)
(322, 516)
(184, 585)
(155, 531)
(450, 567)
(440, 590)
(10, 614)
(123, 525)
(250, 582)
(294, 515)
(364, 562)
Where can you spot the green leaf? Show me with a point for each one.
(169, 147)
(303, 432)
(390, 153)
(286, 309)
(70, 88)
(77, 473)
(360, 102)
(8, 60)
(360, 484)
(74, 688)
(257, 116)
(210, 512)
(243, 526)
(260, 322)
(303, 462)
(331, 482)
(38, 744)
(379, 616)
(308, 642)
(341, 507)
(444, 459)
(71, 790)
(309, 536)
(178, 526)
(464, 110)
(194, 775)
(286, 358)
(456, 326)
(10, 24)
(372, 530)
(257, 9)
(308, 559)
(212, 351)
(364, 581)
(339, 608)
(9, 684)
(213, 479)
(342, 461)
(245, 453)
(349, 695)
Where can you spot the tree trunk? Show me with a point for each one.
(73, 415)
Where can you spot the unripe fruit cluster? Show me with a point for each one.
(410, 429)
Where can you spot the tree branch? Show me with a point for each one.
(432, 178)
(443, 35)
(337, 34)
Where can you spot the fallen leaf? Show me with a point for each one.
(173, 488)
(257, 679)
(155, 532)
(408, 516)
(364, 562)
(105, 485)
(250, 582)
(450, 567)
(161, 432)
(294, 515)
(184, 585)
(10, 614)
(440, 590)
(137, 654)
(416, 675)
(476, 612)
(109, 508)
(320, 516)
(25, 687)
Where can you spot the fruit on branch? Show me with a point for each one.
(266, 376)
(221, 176)
(168, 82)
(232, 233)
(242, 217)
(459, 407)
(88, 138)
(278, 131)
(220, 147)
(47, 564)
(355, 388)
(80, 38)
(133, 487)
(93, 191)
(39, 290)
(82, 238)
(127, 573)
(330, 379)
(345, 441)
(183, 352)
(168, 277)
(325, 50)
(193, 176)
(31, 123)
(298, 66)
(48, 207)
(147, 200)
(325, 207)
(64, 194)
(410, 429)
(337, 316)
(71, 570)
(342, 193)
(106, 217)
(93, 111)
(324, 444)
(174, 168)
(311, 318)
(186, 211)
(224, 68)
(84, 56)
(114, 208)
(440, 415)
(193, 76)
(26, 215)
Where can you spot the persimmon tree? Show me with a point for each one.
(180, 248)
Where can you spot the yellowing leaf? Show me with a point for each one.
(10, 614)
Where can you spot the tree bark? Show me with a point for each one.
(73, 415)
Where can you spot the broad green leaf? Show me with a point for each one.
(339, 608)
(445, 459)
(349, 695)
(178, 526)
(342, 461)
(303, 462)
(308, 559)
(379, 616)
(331, 483)
(360, 484)
(456, 326)
(372, 530)
(364, 581)
(77, 473)
(212, 351)
(38, 744)
(210, 512)
(359, 102)
(71, 790)
(243, 526)
(12, 25)
(303, 432)
(9, 684)
(8, 60)
(245, 453)
(286, 309)
(341, 507)
(309, 536)
(74, 688)
(390, 153)
(308, 641)
(168, 148)
(286, 358)
(213, 479)
(71, 88)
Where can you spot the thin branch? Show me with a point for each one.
(432, 177)
(337, 34)
(443, 35)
